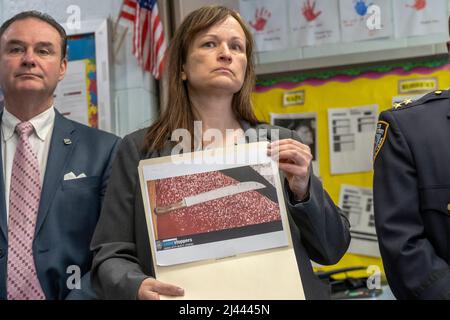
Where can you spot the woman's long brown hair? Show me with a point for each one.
(178, 112)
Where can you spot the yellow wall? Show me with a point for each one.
(334, 93)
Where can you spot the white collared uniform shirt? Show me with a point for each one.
(40, 142)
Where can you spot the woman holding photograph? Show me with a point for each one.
(211, 76)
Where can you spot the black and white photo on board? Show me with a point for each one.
(305, 124)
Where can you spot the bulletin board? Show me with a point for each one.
(77, 96)
(84, 95)
(321, 91)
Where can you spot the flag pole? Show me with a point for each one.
(115, 32)
(116, 23)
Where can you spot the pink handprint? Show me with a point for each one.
(261, 17)
(418, 5)
(308, 11)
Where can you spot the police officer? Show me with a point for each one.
(412, 196)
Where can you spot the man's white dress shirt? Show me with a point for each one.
(40, 142)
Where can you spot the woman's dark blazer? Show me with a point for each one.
(319, 229)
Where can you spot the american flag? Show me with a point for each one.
(149, 44)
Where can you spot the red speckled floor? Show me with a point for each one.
(238, 210)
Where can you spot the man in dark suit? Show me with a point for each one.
(53, 170)
(412, 196)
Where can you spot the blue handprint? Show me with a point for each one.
(361, 7)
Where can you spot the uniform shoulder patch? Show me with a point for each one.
(380, 137)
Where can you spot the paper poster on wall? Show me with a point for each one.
(71, 93)
(351, 134)
(313, 22)
(268, 23)
(354, 15)
(77, 94)
(305, 124)
(417, 85)
(420, 17)
(357, 205)
(294, 98)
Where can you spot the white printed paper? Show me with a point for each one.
(420, 17)
(268, 22)
(313, 22)
(236, 262)
(351, 134)
(305, 124)
(196, 213)
(71, 93)
(359, 19)
(357, 205)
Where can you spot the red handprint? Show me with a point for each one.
(308, 11)
(418, 5)
(261, 17)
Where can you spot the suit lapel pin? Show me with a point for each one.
(67, 142)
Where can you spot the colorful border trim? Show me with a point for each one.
(347, 75)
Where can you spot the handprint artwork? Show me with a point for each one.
(318, 23)
(357, 17)
(262, 15)
(308, 11)
(266, 19)
(420, 17)
(418, 5)
(361, 7)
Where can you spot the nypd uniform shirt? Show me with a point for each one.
(412, 196)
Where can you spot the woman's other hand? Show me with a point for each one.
(151, 289)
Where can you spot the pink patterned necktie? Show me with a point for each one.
(25, 192)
